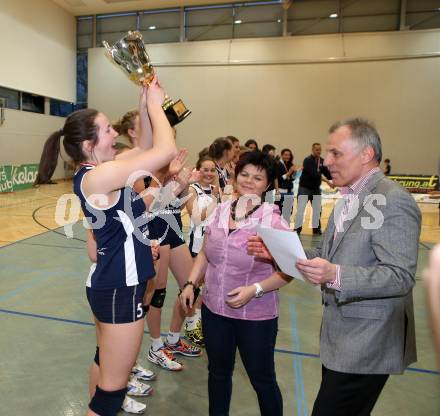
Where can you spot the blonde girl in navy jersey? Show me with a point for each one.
(116, 287)
(164, 225)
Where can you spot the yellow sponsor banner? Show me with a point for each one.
(417, 183)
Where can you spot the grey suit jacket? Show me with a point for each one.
(368, 326)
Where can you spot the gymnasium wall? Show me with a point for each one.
(38, 55)
(38, 47)
(288, 91)
(23, 135)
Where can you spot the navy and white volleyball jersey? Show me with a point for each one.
(123, 255)
(165, 222)
(222, 176)
(197, 232)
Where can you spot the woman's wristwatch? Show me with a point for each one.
(196, 289)
(189, 283)
(258, 290)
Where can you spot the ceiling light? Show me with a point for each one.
(237, 22)
(333, 16)
(279, 20)
(152, 27)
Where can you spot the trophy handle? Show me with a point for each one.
(108, 48)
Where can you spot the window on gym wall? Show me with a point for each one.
(84, 30)
(84, 33)
(208, 23)
(112, 27)
(32, 102)
(61, 108)
(11, 98)
(235, 20)
(258, 20)
(81, 80)
(160, 26)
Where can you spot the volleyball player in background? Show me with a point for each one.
(204, 197)
(165, 224)
(222, 153)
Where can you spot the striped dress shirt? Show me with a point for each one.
(350, 194)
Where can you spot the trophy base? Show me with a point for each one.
(176, 112)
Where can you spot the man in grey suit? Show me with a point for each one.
(365, 264)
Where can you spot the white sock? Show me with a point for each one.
(173, 337)
(156, 343)
(191, 322)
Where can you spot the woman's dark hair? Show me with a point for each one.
(126, 123)
(387, 161)
(291, 154)
(78, 127)
(218, 147)
(267, 148)
(204, 153)
(204, 159)
(260, 160)
(232, 139)
(251, 141)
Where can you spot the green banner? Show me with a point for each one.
(15, 178)
(5, 179)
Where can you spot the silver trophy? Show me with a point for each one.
(130, 55)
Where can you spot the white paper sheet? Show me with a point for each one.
(285, 247)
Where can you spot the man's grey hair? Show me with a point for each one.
(363, 133)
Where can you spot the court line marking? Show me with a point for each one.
(295, 367)
(52, 245)
(83, 323)
(24, 239)
(54, 229)
(19, 204)
(297, 362)
(425, 245)
(29, 284)
(48, 230)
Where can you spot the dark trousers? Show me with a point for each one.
(306, 195)
(343, 394)
(285, 204)
(256, 343)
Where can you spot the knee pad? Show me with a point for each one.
(107, 403)
(96, 359)
(145, 308)
(158, 298)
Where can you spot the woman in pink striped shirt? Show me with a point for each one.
(240, 296)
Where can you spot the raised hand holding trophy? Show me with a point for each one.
(130, 55)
